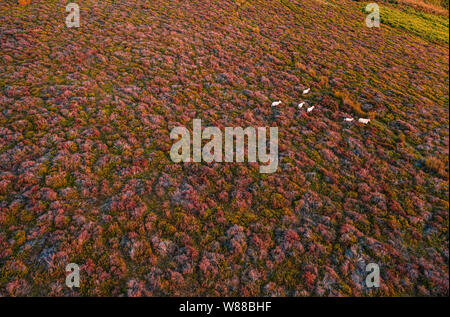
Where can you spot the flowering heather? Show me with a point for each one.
(85, 169)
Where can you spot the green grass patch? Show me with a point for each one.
(428, 26)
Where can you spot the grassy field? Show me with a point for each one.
(439, 7)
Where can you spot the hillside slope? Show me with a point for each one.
(86, 176)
